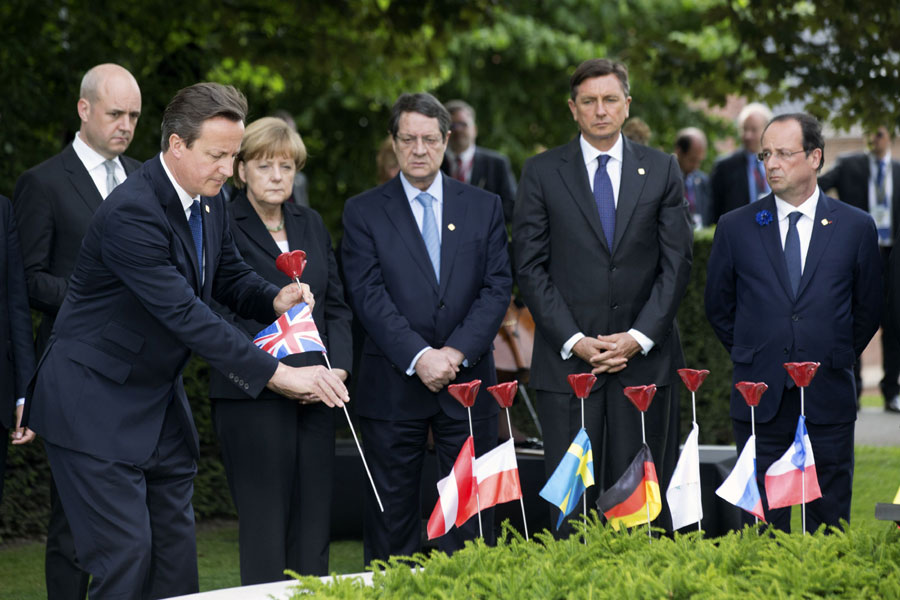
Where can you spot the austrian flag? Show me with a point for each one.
(292, 333)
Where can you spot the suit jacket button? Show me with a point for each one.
(441, 305)
(615, 306)
(246, 386)
(786, 350)
(795, 317)
(612, 267)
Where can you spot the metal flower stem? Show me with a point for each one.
(356, 439)
(644, 440)
(475, 474)
(803, 470)
(753, 430)
(694, 404)
(521, 500)
(583, 494)
(699, 491)
(297, 281)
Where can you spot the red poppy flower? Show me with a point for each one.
(693, 378)
(641, 395)
(751, 391)
(582, 383)
(801, 372)
(504, 393)
(291, 263)
(465, 392)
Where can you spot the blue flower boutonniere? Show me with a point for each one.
(763, 218)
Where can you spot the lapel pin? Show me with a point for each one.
(825, 222)
(451, 227)
(641, 171)
(207, 208)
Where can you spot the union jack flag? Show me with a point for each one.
(292, 333)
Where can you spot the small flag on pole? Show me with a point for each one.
(683, 493)
(784, 479)
(740, 487)
(497, 474)
(627, 501)
(291, 333)
(574, 473)
(454, 492)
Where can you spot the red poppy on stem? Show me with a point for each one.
(465, 392)
(582, 383)
(801, 372)
(751, 391)
(504, 393)
(291, 263)
(693, 378)
(641, 395)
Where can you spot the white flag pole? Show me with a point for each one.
(803, 471)
(356, 439)
(753, 431)
(521, 499)
(644, 440)
(584, 494)
(475, 474)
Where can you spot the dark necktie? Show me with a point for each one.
(792, 251)
(196, 224)
(689, 193)
(761, 186)
(606, 201)
(459, 170)
(880, 194)
(430, 233)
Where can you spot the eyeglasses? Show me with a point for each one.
(782, 155)
(432, 141)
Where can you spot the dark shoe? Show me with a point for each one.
(892, 405)
(530, 444)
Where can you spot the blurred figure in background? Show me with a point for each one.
(690, 151)
(637, 130)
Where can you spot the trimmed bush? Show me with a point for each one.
(861, 563)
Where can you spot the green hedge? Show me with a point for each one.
(25, 506)
(861, 563)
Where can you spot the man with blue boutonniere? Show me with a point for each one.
(796, 277)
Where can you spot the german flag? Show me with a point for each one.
(626, 502)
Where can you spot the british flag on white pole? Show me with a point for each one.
(292, 333)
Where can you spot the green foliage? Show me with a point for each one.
(856, 564)
(702, 350)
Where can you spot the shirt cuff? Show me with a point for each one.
(645, 343)
(566, 352)
(412, 365)
(20, 402)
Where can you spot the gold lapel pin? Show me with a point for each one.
(825, 222)
(641, 171)
(451, 227)
(207, 208)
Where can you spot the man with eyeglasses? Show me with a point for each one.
(428, 276)
(796, 277)
(870, 181)
(477, 165)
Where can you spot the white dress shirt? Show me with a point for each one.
(93, 162)
(614, 170)
(186, 202)
(804, 223)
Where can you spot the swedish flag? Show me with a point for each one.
(574, 473)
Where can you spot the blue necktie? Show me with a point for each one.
(196, 224)
(880, 194)
(430, 233)
(792, 251)
(606, 201)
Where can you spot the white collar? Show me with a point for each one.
(90, 158)
(436, 189)
(590, 153)
(808, 207)
(186, 200)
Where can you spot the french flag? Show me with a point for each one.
(740, 487)
(786, 478)
(455, 491)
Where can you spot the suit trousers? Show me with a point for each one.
(832, 448)
(614, 427)
(65, 578)
(279, 460)
(890, 345)
(133, 524)
(396, 451)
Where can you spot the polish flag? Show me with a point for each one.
(454, 491)
(794, 473)
(497, 473)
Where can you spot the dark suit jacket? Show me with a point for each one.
(395, 295)
(571, 281)
(850, 178)
(491, 171)
(702, 197)
(54, 203)
(728, 184)
(751, 307)
(305, 231)
(134, 312)
(17, 362)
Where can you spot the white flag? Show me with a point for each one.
(683, 494)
